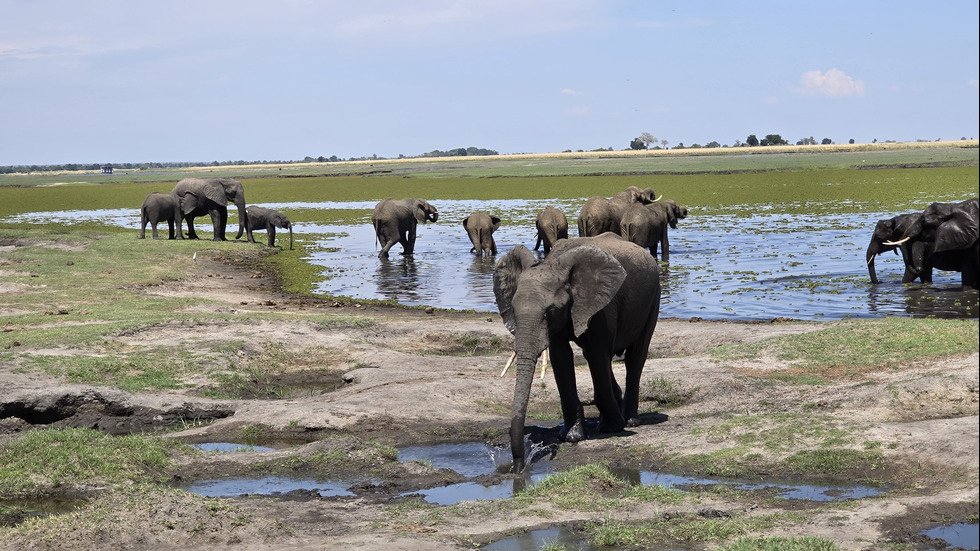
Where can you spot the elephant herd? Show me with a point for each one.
(636, 214)
(943, 236)
(193, 197)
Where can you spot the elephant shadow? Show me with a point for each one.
(548, 436)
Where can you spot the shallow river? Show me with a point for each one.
(753, 266)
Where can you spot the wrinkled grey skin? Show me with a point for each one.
(647, 225)
(396, 220)
(952, 229)
(210, 196)
(158, 207)
(480, 227)
(913, 252)
(261, 218)
(599, 215)
(603, 294)
(552, 225)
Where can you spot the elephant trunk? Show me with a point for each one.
(872, 252)
(290, 226)
(522, 394)
(243, 224)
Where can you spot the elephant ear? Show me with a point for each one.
(957, 233)
(506, 273)
(466, 222)
(495, 220)
(214, 191)
(594, 278)
(419, 210)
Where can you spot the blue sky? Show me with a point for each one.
(135, 81)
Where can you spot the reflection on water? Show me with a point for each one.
(757, 265)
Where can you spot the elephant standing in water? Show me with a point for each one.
(950, 232)
(480, 227)
(603, 294)
(396, 220)
(600, 215)
(646, 225)
(158, 207)
(913, 254)
(261, 218)
(552, 225)
(199, 196)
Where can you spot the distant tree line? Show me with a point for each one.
(458, 152)
(645, 140)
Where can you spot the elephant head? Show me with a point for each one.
(423, 211)
(634, 194)
(545, 305)
(889, 231)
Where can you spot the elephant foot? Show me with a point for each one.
(633, 422)
(575, 433)
(613, 426)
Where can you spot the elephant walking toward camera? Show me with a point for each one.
(552, 225)
(949, 231)
(200, 196)
(600, 215)
(480, 227)
(603, 294)
(261, 218)
(396, 220)
(156, 208)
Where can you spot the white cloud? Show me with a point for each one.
(571, 92)
(834, 83)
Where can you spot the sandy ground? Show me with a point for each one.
(407, 380)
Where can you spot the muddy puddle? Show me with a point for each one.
(550, 538)
(956, 536)
(754, 265)
(477, 461)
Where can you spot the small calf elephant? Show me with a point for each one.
(158, 207)
(261, 218)
(480, 227)
(552, 225)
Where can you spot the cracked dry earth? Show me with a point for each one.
(402, 377)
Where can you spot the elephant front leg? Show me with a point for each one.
(573, 415)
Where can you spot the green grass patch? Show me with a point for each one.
(778, 543)
(835, 462)
(777, 432)
(676, 530)
(44, 460)
(853, 349)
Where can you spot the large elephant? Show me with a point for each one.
(600, 215)
(200, 196)
(647, 225)
(603, 294)
(156, 208)
(395, 221)
(261, 218)
(480, 227)
(891, 230)
(951, 231)
(552, 225)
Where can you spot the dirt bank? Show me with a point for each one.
(410, 376)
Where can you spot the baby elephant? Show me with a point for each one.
(156, 208)
(261, 218)
(480, 227)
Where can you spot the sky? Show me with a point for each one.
(130, 81)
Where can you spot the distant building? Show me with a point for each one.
(106, 169)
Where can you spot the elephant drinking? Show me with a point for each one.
(396, 220)
(603, 294)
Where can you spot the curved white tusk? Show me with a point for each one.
(659, 198)
(870, 260)
(510, 361)
(899, 242)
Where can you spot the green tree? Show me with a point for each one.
(752, 141)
